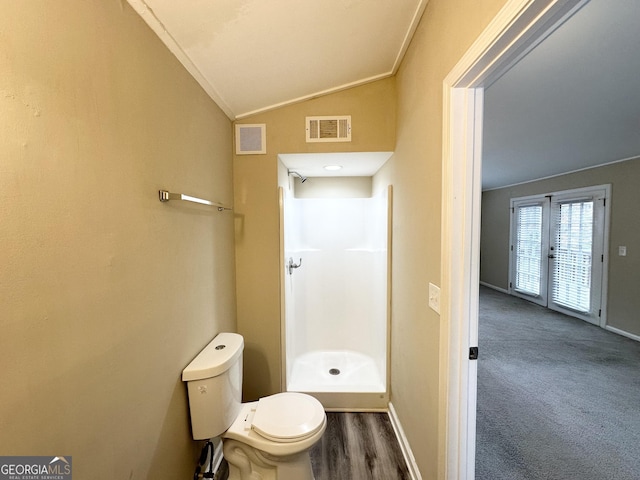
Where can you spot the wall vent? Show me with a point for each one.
(251, 139)
(329, 129)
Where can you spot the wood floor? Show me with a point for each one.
(356, 446)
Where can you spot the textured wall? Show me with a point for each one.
(447, 30)
(106, 293)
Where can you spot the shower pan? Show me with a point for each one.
(336, 299)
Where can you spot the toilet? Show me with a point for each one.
(268, 439)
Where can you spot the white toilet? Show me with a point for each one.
(268, 439)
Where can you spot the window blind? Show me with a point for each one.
(528, 249)
(573, 250)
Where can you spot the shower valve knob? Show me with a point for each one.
(291, 265)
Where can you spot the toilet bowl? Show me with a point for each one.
(268, 439)
(272, 437)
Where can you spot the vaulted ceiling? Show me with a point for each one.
(254, 55)
(571, 103)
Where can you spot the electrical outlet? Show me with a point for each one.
(622, 251)
(434, 297)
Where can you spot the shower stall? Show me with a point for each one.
(336, 299)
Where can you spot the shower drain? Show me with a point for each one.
(334, 371)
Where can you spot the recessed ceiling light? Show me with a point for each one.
(333, 167)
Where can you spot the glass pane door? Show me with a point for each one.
(529, 248)
(573, 256)
(528, 251)
(557, 251)
(576, 256)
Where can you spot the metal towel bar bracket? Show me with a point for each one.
(165, 196)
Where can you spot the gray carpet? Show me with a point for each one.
(558, 398)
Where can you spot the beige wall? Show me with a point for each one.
(105, 293)
(256, 181)
(447, 30)
(623, 300)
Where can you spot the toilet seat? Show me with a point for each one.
(243, 431)
(288, 417)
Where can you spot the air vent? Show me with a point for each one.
(329, 129)
(251, 139)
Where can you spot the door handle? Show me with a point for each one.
(551, 255)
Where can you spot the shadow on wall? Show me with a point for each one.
(258, 385)
(176, 425)
(238, 225)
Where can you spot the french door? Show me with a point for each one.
(558, 251)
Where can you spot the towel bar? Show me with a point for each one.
(165, 196)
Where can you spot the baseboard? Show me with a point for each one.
(404, 444)
(493, 287)
(623, 333)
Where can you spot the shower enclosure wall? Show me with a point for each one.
(336, 299)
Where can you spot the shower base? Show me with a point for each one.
(341, 380)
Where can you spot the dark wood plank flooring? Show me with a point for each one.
(355, 446)
(358, 446)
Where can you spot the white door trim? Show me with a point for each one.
(518, 27)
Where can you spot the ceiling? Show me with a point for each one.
(570, 104)
(255, 55)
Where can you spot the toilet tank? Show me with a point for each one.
(214, 384)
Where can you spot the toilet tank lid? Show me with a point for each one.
(216, 358)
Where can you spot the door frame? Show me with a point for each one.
(517, 29)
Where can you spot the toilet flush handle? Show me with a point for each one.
(291, 265)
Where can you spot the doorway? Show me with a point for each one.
(515, 31)
(557, 256)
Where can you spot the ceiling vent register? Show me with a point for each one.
(329, 129)
(251, 139)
